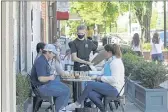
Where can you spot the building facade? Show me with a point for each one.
(21, 25)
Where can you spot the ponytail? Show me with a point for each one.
(115, 49)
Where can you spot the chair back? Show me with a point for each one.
(123, 86)
(33, 86)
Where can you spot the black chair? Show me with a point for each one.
(38, 98)
(116, 100)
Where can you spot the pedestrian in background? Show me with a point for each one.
(136, 45)
(157, 47)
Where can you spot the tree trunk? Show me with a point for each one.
(147, 20)
(144, 18)
(116, 27)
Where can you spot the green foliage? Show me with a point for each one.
(22, 89)
(146, 46)
(154, 19)
(130, 60)
(90, 12)
(99, 12)
(126, 49)
(150, 74)
(143, 12)
(73, 25)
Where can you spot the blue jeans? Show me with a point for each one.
(158, 57)
(56, 89)
(95, 91)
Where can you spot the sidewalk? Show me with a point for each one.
(129, 107)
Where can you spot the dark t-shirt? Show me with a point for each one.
(83, 49)
(40, 68)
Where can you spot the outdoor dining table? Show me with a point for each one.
(79, 91)
(78, 84)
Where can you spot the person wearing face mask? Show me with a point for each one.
(80, 52)
(81, 49)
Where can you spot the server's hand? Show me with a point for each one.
(89, 63)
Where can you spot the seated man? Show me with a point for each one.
(46, 82)
(39, 49)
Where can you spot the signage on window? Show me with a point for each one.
(62, 12)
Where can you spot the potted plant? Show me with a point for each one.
(130, 61)
(22, 92)
(149, 96)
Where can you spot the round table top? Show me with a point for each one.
(78, 80)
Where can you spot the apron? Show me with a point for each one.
(107, 70)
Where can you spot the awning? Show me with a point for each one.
(62, 12)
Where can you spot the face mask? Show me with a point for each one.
(81, 36)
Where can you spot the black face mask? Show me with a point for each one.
(81, 36)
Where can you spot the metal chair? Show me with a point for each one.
(38, 98)
(116, 100)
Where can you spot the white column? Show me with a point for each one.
(5, 57)
(47, 25)
(8, 74)
(13, 57)
(36, 27)
(0, 62)
(29, 37)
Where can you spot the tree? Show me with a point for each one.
(90, 12)
(143, 11)
(73, 25)
(100, 13)
(154, 19)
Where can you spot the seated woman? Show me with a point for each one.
(68, 61)
(108, 85)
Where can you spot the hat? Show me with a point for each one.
(50, 47)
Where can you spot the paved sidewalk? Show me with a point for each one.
(129, 107)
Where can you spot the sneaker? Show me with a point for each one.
(72, 106)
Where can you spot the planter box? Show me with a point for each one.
(24, 106)
(130, 89)
(147, 55)
(150, 100)
(27, 103)
(19, 108)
